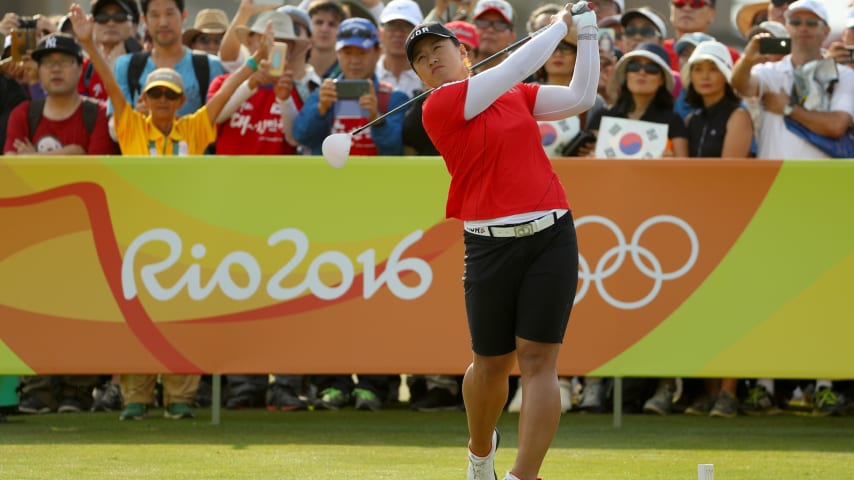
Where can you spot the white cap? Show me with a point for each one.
(812, 6)
(713, 51)
(500, 6)
(406, 10)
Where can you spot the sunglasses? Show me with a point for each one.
(356, 32)
(118, 17)
(689, 3)
(208, 39)
(496, 25)
(645, 31)
(156, 93)
(649, 68)
(810, 22)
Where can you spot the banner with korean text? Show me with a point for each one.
(254, 265)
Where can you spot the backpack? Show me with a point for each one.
(131, 46)
(90, 114)
(201, 67)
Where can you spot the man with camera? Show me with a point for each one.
(803, 88)
(353, 99)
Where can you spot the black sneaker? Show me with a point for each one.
(33, 405)
(107, 398)
(280, 397)
(437, 400)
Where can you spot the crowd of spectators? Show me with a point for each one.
(122, 77)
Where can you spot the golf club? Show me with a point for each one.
(336, 147)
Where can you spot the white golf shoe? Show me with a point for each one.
(483, 468)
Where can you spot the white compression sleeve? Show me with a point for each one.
(484, 88)
(555, 102)
(242, 94)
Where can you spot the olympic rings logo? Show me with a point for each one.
(645, 261)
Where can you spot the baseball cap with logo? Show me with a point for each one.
(422, 31)
(465, 32)
(813, 6)
(283, 26)
(357, 32)
(58, 42)
(405, 10)
(164, 77)
(500, 6)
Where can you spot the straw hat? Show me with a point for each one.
(209, 20)
(746, 14)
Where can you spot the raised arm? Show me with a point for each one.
(555, 102)
(218, 100)
(742, 81)
(82, 25)
(486, 87)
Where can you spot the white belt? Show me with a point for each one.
(521, 230)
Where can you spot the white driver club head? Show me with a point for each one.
(336, 149)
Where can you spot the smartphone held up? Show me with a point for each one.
(23, 39)
(775, 46)
(278, 58)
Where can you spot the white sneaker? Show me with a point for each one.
(565, 395)
(483, 468)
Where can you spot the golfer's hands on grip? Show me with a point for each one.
(585, 19)
(580, 20)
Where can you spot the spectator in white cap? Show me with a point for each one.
(642, 25)
(719, 126)
(494, 22)
(398, 19)
(822, 111)
(208, 29)
(838, 50)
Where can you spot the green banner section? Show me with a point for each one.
(787, 273)
(11, 362)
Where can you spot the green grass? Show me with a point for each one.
(398, 444)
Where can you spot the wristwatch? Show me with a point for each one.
(787, 110)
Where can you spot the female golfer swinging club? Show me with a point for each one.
(521, 254)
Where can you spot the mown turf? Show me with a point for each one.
(398, 444)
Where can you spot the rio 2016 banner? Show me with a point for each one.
(247, 264)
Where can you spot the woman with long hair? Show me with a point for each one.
(645, 84)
